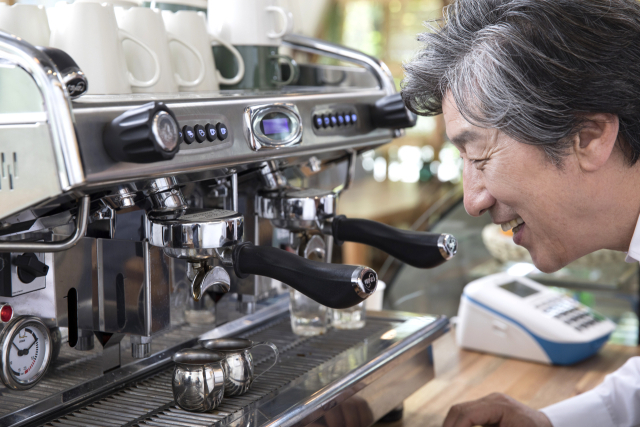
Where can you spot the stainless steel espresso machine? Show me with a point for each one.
(118, 214)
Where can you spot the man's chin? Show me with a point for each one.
(547, 263)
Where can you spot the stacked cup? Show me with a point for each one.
(27, 21)
(126, 49)
(224, 367)
(256, 29)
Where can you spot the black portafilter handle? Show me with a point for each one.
(333, 285)
(416, 248)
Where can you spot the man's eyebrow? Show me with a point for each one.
(463, 137)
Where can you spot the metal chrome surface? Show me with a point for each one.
(59, 120)
(198, 379)
(93, 113)
(364, 281)
(195, 230)
(81, 229)
(256, 137)
(76, 375)
(165, 130)
(240, 371)
(296, 209)
(322, 47)
(217, 279)
(377, 366)
(448, 246)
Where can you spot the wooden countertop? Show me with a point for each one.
(465, 375)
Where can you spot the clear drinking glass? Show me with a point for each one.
(307, 316)
(349, 318)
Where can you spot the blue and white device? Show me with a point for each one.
(518, 317)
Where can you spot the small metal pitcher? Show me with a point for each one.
(198, 379)
(239, 368)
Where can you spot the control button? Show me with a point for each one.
(334, 120)
(223, 133)
(180, 134)
(317, 121)
(211, 131)
(340, 119)
(201, 134)
(354, 118)
(347, 118)
(326, 121)
(189, 134)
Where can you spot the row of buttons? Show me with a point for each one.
(334, 120)
(201, 133)
(568, 311)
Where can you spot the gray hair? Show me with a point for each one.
(533, 68)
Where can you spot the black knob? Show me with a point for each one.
(30, 267)
(145, 134)
(391, 113)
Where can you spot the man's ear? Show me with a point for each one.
(596, 140)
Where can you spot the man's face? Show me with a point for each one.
(517, 184)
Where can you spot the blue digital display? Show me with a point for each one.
(277, 125)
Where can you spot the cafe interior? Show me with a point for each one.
(186, 180)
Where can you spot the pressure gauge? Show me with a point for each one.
(26, 352)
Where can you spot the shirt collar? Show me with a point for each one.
(633, 255)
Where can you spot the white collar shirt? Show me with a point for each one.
(615, 402)
(633, 255)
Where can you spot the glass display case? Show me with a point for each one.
(602, 280)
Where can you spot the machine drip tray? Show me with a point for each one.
(378, 366)
(150, 401)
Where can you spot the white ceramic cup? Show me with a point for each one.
(89, 33)
(27, 21)
(191, 27)
(148, 26)
(249, 22)
(115, 3)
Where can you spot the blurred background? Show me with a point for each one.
(415, 182)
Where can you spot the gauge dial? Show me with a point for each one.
(26, 352)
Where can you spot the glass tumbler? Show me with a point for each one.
(307, 316)
(349, 318)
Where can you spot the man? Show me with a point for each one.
(542, 98)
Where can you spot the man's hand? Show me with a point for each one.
(497, 410)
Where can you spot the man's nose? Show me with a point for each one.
(477, 199)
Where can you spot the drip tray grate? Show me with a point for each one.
(149, 402)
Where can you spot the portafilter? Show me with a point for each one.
(297, 209)
(197, 235)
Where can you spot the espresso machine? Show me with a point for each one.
(120, 212)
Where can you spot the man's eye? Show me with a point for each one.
(476, 161)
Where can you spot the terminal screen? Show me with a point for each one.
(519, 289)
(276, 125)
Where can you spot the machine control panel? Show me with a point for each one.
(343, 119)
(204, 133)
(331, 120)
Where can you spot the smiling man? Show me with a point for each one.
(542, 98)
